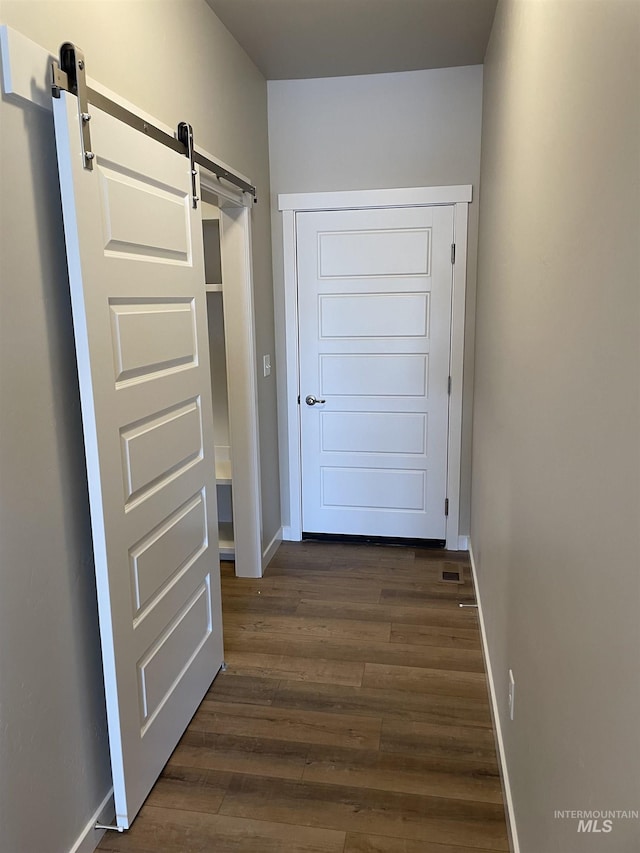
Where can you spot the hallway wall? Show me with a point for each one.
(556, 440)
(176, 61)
(416, 128)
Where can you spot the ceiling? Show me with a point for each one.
(290, 39)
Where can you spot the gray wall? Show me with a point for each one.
(176, 61)
(419, 128)
(556, 441)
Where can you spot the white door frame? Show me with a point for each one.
(292, 203)
(239, 324)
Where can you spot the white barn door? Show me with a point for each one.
(374, 302)
(136, 270)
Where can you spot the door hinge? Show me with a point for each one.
(449, 386)
(453, 253)
(446, 506)
(298, 399)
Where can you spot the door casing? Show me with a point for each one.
(292, 203)
(239, 321)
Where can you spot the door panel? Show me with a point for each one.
(373, 432)
(173, 651)
(373, 253)
(168, 549)
(159, 448)
(390, 375)
(141, 217)
(374, 315)
(373, 488)
(149, 337)
(136, 271)
(374, 297)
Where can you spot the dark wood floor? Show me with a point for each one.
(353, 717)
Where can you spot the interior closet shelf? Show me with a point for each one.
(223, 472)
(226, 544)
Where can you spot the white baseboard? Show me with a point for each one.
(90, 837)
(514, 844)
(270, 550)
(463, 543)
(289, 534)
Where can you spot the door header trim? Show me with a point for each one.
(400, 197)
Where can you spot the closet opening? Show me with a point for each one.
(226, 228)
(219, 389)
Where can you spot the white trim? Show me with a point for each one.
(226, 193)
(242, 392)
(512, 829)
(400, 197)
(90, 837)
(290, 535)
(288, 366)
(269, 552)
(293, 470)
(242, 383)
(456, 367)
(238, 309)
(25, 64)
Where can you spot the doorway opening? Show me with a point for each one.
(226, 224)
(355, 333)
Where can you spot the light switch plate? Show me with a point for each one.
(266, 365)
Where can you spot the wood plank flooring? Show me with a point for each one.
(353, 717)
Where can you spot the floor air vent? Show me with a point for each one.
(450, 576)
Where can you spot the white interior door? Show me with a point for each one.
(374, 300)
(136, 269)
